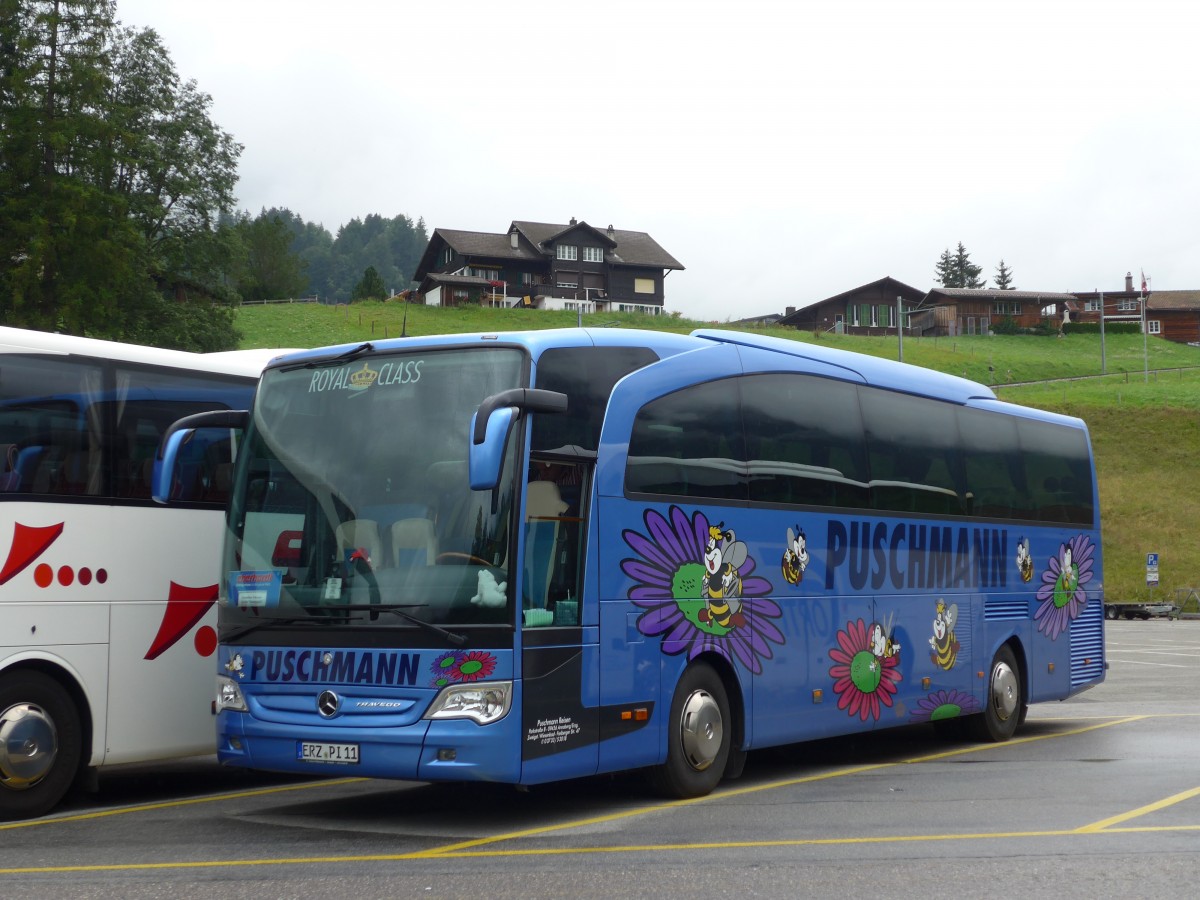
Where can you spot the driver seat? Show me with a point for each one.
(359, 534)
(414, 543)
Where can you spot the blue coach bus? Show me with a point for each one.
(535, 556)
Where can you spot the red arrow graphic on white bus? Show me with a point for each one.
(27, 545)
(185, 607)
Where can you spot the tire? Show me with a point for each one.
(1005, 703)
(699, 734)
(40, 744)
(1112, 613)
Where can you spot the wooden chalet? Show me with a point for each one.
(546, 266)
(953, 311)
(869, 309)
(1174, 315)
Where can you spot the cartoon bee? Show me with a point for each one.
(882, 645)
(795, 557)
(1024, 559)
(723, 556)
(236, 665)
(1068, 577)
(944, 644)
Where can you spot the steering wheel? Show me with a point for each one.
(463, 558)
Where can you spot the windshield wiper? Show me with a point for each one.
(396, 609)
(332, 359)
(268, 620)
(315, 617)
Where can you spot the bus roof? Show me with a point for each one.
(856, 366)
(234, 362)
(873, 370)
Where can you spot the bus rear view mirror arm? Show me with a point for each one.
(166, 459)
(522, 399)
(218, 418)
(494, 421)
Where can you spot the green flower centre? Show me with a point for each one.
(946, 711)
(1064, 588)
(866, 671)
(688, 582)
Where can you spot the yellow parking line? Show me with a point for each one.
(170, 804)
(1105, 824)
(573, 851)
(470, 849)
(769, 786)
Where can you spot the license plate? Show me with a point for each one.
(344, 754)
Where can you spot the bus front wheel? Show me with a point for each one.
(40, 744)
(1005, 703)
(699, 733)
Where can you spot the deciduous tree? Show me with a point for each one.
(113, 178)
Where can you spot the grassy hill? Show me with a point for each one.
(1145, 430)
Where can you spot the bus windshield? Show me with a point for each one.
(352, 507)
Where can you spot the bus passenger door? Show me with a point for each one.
(558, 666)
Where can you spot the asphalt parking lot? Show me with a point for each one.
(1098, 795)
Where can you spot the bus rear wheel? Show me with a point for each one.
(40, 744)
(1005, 703)
(699, 734)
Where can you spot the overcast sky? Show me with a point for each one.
(783, 152)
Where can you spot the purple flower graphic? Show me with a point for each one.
(693, 608)
(947, 704)
(1061, 595)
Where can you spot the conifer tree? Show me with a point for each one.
(1003, 278)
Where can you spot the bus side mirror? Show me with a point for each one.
(166, 464)
(492, 424)
(170, 447)
(484, 459)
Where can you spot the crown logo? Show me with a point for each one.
(363, 378)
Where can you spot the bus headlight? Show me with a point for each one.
(229, 695)
(483, 703)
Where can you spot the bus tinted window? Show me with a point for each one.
(913, 453)
(586, 375)
(804, 441)
(76, 428)
(994, 469)
(1057, 472)
(690, 444)
(49, 430)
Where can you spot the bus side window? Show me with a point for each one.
(805, 441)
(914, 455)
(10, 476)
(690, 444)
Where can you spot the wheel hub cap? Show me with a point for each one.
(1005, 691)
(701, 730)
(28, 745)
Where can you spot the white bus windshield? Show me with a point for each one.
(352, 505)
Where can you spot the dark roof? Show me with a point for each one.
(621, 248)
(887, 283)
(460, 280)
(483, 243)
(1173, 300)
(995, 294)
(630, 248)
